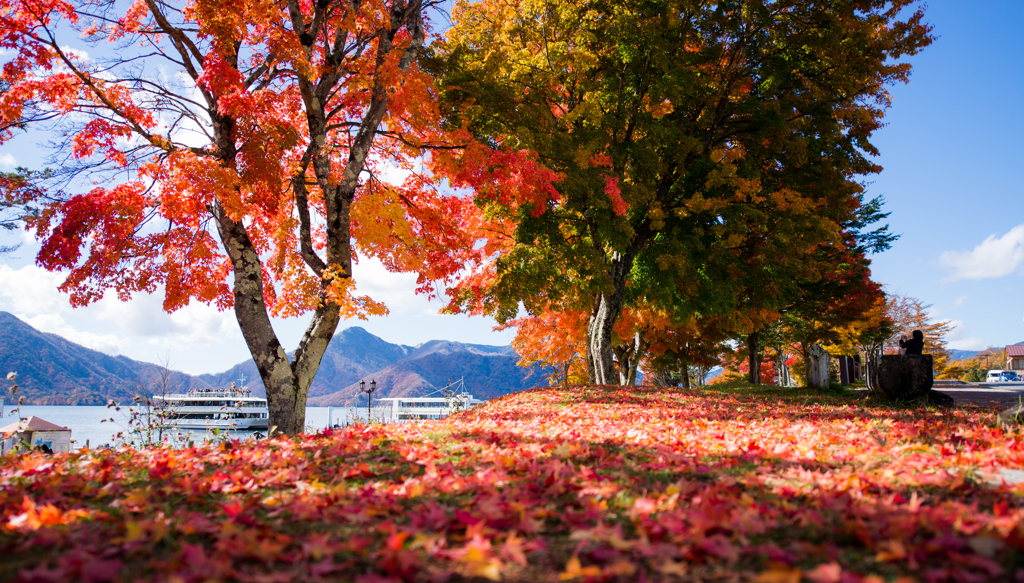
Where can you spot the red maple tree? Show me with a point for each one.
(233, 154)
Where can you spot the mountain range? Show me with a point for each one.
(956, 354)
(969, 354)
(54, 371)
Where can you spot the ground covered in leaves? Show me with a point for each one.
(559, 484)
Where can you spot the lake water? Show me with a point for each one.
(87, 423)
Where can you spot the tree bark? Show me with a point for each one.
(755, 358)
(686, 376)
(599, 338)
(805, 351)
(608, 306)
(622, 360)
(629, 356)
(639, 347)
(591, 374)
(287, 383)
(781, 369)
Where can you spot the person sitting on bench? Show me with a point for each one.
(914, 345)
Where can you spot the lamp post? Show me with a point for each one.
(369, 395)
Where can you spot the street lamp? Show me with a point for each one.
(369, 395)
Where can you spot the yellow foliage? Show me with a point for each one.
(339, 291)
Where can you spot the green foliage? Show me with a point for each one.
(974, 374)
(708, 154)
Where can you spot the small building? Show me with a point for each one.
(1015, 357)
(34, 432)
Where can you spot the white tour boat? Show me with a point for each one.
(419, 408)
(232, 408)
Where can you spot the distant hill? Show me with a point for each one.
(489, 371)
(969, 354)
(352, 354)
(55, 371)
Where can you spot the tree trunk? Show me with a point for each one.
(591, 374)
(607, 309)
(780, 367)
(639, 347)
(287, 383)
(628, 356)
(599, 338)
(686, 376)
(622, 353)
(805, 350)
(755, 360)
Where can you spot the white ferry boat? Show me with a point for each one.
(420, 408)
(232, 408)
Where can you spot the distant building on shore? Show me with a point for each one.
(35, 432)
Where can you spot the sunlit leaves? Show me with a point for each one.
(240, 69)
(720, 145)
(569, 483)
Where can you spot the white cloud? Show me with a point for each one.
(31, 294)
(7, 161)
(396, 290)
(76, 53)
(28, 236)
(31, 291)
(959, 339)
(391, 173)
(959, 301)
(200, 323)
(972, 343)
(144, 317)
(187, 131)
(55, 324)
(994, 257)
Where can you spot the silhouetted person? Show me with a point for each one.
(915, 345)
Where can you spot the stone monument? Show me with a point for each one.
(903, 377)
(820, 373)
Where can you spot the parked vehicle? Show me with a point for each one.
(993, 376)
(1008, 376)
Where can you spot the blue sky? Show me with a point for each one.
(953, 161)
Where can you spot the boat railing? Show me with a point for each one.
(215, 393)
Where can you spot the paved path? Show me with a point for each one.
(984, 395)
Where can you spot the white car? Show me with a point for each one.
(1001, 376)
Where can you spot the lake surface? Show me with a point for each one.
(99, 425)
